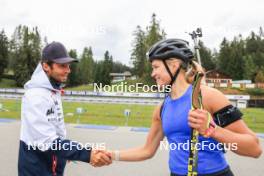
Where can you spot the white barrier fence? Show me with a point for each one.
(97, 99)
(91, 93)
(118, 98)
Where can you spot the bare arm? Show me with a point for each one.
(148, 150)
(236, 133)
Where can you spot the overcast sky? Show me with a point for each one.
(109, 24)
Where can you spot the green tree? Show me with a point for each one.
(261, 33)
(118, 67)
(230, 59)
(236, 59)
(255, 48)
(206, 57)
(74, 76)
(143, 40)
(259, 77)
(4, 52)
(86, 66)
(26, 52)
(107, 68)
(154, 34)
(103, 69)
(138, 55)
(98, 78)
(249, 68)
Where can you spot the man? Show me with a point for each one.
(44, 148)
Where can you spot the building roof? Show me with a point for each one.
(214, 74)
(126, 73)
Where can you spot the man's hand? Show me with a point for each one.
(100, 158)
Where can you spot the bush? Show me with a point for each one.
(255, 91)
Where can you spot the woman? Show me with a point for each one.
(174, 118)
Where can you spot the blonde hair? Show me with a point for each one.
(193, 69)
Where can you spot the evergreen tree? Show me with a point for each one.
(249, 68)
(107, 68)
(139, 50)
(103, 69)
(206, 57)
(98, 77)
(4, 52)
(154, 32)
(141, 44)
(118, 67)
(74, 76)
(230, 60)
(235, 64)
(259, 77)
(26, 53)
(86, 66)
(153, 35)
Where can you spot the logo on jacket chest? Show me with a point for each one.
(50, 111)
(54, 114)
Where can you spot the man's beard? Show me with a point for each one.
(56, 84)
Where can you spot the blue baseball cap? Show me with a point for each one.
(57, 53)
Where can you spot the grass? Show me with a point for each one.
(109, 114)
(254, 118)
(81, 88)
(113, 114)
(7, 83)
(103, 114)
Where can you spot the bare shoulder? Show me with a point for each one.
(213, 99)
(156, 112)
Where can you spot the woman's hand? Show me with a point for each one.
(201, 120)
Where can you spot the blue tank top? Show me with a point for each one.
(175, 127)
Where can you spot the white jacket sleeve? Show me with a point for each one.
(39, 127)
(37, 116)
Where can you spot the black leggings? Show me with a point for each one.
(225, 172)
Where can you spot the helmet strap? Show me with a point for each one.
(173, 77)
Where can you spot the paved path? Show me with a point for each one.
(114, 138)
